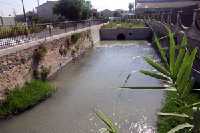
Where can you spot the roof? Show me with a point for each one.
(167, 4)
(48, 3)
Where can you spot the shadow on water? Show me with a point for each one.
(90, 83)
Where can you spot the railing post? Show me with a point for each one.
(168, 18)
(178, 18)
(195, 17)
(162, 17)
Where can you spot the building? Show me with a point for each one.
(45, 11)
(168, 7)
(7, 21)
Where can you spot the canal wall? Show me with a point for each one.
(126, 34)
(22, 63)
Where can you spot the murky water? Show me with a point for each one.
(91, 83)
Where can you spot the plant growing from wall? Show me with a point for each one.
(38, 55)
(75, 37)
(44, 72)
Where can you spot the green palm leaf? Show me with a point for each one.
(180, 127)
(174, 114)
(171, 51)
(157, 66)
(162, 53)
(155, 75)
(107, 121)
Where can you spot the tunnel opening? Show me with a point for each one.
(121, 37)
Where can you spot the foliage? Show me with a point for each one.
(44, 72)
(130, 6)
(177, 115)
(40, 53)
(75, 37)
(111, 128)
(86, 10)
(18, 30)
(23, 98)
(118, 24)
(177, 71)
(73, 9)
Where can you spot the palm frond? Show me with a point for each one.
(174, 114)
(107, 121)
(155, 75)
(157, 66)
(171, 51)
(180, 127)
(162, 53)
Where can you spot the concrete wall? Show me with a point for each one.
(129, 34)
(17, 63)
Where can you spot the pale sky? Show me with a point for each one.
(9, 6)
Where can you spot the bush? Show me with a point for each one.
(23, 98)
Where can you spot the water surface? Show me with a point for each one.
(92, 83)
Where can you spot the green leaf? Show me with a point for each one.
(107, 121)
(183, 68)
(151, 88)
(184, 83)
(157, 66)
(162, 53)
(155, 75)
(174, 114)
(171, 51)
(180, 127)
(179, 61)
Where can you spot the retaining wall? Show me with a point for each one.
(17, 63)
(126, 34)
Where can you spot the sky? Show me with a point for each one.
(8, 7)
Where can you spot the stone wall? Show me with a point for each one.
(126, 34)
(17, 63)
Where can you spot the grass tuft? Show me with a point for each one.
(23, 98)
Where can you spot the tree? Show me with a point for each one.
(73, 9)
(86, 10)
(130, 6)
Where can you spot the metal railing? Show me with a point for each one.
(16, 35)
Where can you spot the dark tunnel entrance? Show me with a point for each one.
(121, 36)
